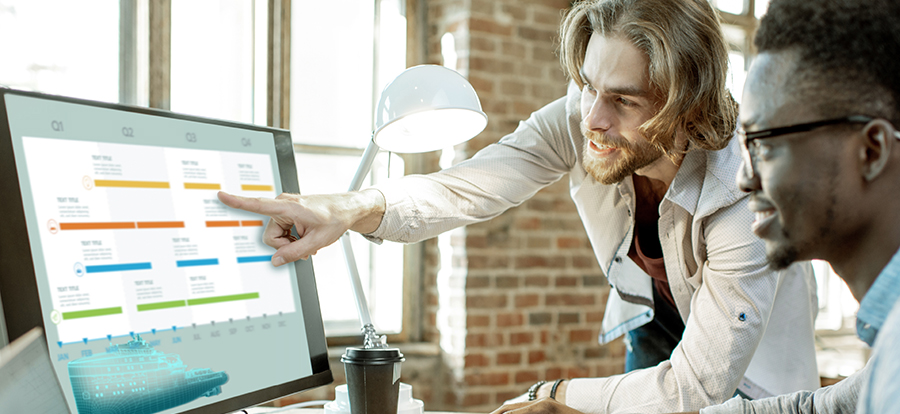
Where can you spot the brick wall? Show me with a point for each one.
(533, 292)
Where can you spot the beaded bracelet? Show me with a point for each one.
(532, 391)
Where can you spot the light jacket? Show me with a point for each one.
(717, 269)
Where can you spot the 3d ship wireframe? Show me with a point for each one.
(134, 378)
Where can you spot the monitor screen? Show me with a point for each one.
(155, 297)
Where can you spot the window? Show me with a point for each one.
(219, 59)
(340, 62)
(54, 58)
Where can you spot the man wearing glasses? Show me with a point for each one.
(822, 164)
(644, 137)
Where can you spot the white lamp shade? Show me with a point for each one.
(427, 108)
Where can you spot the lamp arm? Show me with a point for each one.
(365, 165)
(371, 339)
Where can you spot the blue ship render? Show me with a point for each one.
(134, 378)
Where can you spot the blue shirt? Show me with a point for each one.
(878, 321)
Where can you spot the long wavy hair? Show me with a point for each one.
(688, 64)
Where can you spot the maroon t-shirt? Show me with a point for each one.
(655, 267)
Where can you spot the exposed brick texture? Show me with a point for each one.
(534, 292)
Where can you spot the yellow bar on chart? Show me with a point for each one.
(202, 186)
(131, 184)
(256, 187)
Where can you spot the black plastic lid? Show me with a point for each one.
(374, 356)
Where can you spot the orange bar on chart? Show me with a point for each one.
(131, 184)
(202, 186)
(96, 226)
(160, 224)
(256, 187)
(251, 223)
(224, 223)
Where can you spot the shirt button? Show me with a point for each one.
(618, 259)
(629, 213)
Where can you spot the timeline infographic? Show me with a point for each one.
(103, 205)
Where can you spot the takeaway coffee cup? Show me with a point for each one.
(373, 379)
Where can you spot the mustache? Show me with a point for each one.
(606, 139)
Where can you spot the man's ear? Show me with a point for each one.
(878, 141)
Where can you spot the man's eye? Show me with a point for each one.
(589, 88)
(625, 102)
(762, 150)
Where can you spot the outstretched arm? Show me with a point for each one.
(320, 219)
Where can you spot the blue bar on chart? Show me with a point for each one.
(253, 259)
(121, 267)
(197, 262)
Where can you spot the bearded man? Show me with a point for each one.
(644, 134)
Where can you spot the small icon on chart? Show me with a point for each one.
(56, 317)
(79, 269)
(52, 226)
(87, 182)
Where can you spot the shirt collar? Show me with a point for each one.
(878, 301)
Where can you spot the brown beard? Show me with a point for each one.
(633, 156)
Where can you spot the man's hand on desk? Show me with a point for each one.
(543, 406)
(320, 219)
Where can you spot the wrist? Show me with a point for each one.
(546, 390)
(369, 205)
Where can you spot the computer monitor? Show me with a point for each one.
(154, 296)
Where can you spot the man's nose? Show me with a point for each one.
(747, 179)
(599, 116)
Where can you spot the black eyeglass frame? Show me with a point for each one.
(748, 137)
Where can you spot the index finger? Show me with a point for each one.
(264, 206)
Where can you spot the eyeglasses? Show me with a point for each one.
(749, 140)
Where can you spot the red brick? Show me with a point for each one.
(520, 338)
(554, 372)
(476, 360)
(594, 317)
(484, 340)
(564, 281)
(569, 242)
(536, 356)
(509, 358)
(569, 318)
(527, 223)
(478, 321)
(477, 242)
(570, 299)
(507, 281)
(490, 26)
(537, 281)
(526, 376)
(527, 300)
(581, 335)
(510, 319)
(486, 301)
(477, 282)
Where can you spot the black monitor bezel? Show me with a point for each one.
(19, 295)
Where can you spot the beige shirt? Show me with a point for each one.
(723, 288)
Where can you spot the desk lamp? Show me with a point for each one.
(425, 108)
